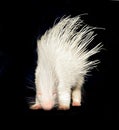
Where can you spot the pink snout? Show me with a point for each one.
(47, 106)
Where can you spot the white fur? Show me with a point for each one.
(63, 58)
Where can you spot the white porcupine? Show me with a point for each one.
(63, 62)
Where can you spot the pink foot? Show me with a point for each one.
(76, 104)
(63, 107)
(35, 107)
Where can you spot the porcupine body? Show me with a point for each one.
(63, 62)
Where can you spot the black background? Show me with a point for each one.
(20, 25)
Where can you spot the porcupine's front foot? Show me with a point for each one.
(36, 106)
(64, 99)
(63, 105)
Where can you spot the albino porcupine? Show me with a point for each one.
(63, 62)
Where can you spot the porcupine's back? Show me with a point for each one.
(64, 48)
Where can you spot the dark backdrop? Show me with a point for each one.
(20, 25)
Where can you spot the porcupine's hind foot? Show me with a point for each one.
(76, 97)
(76, 93)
